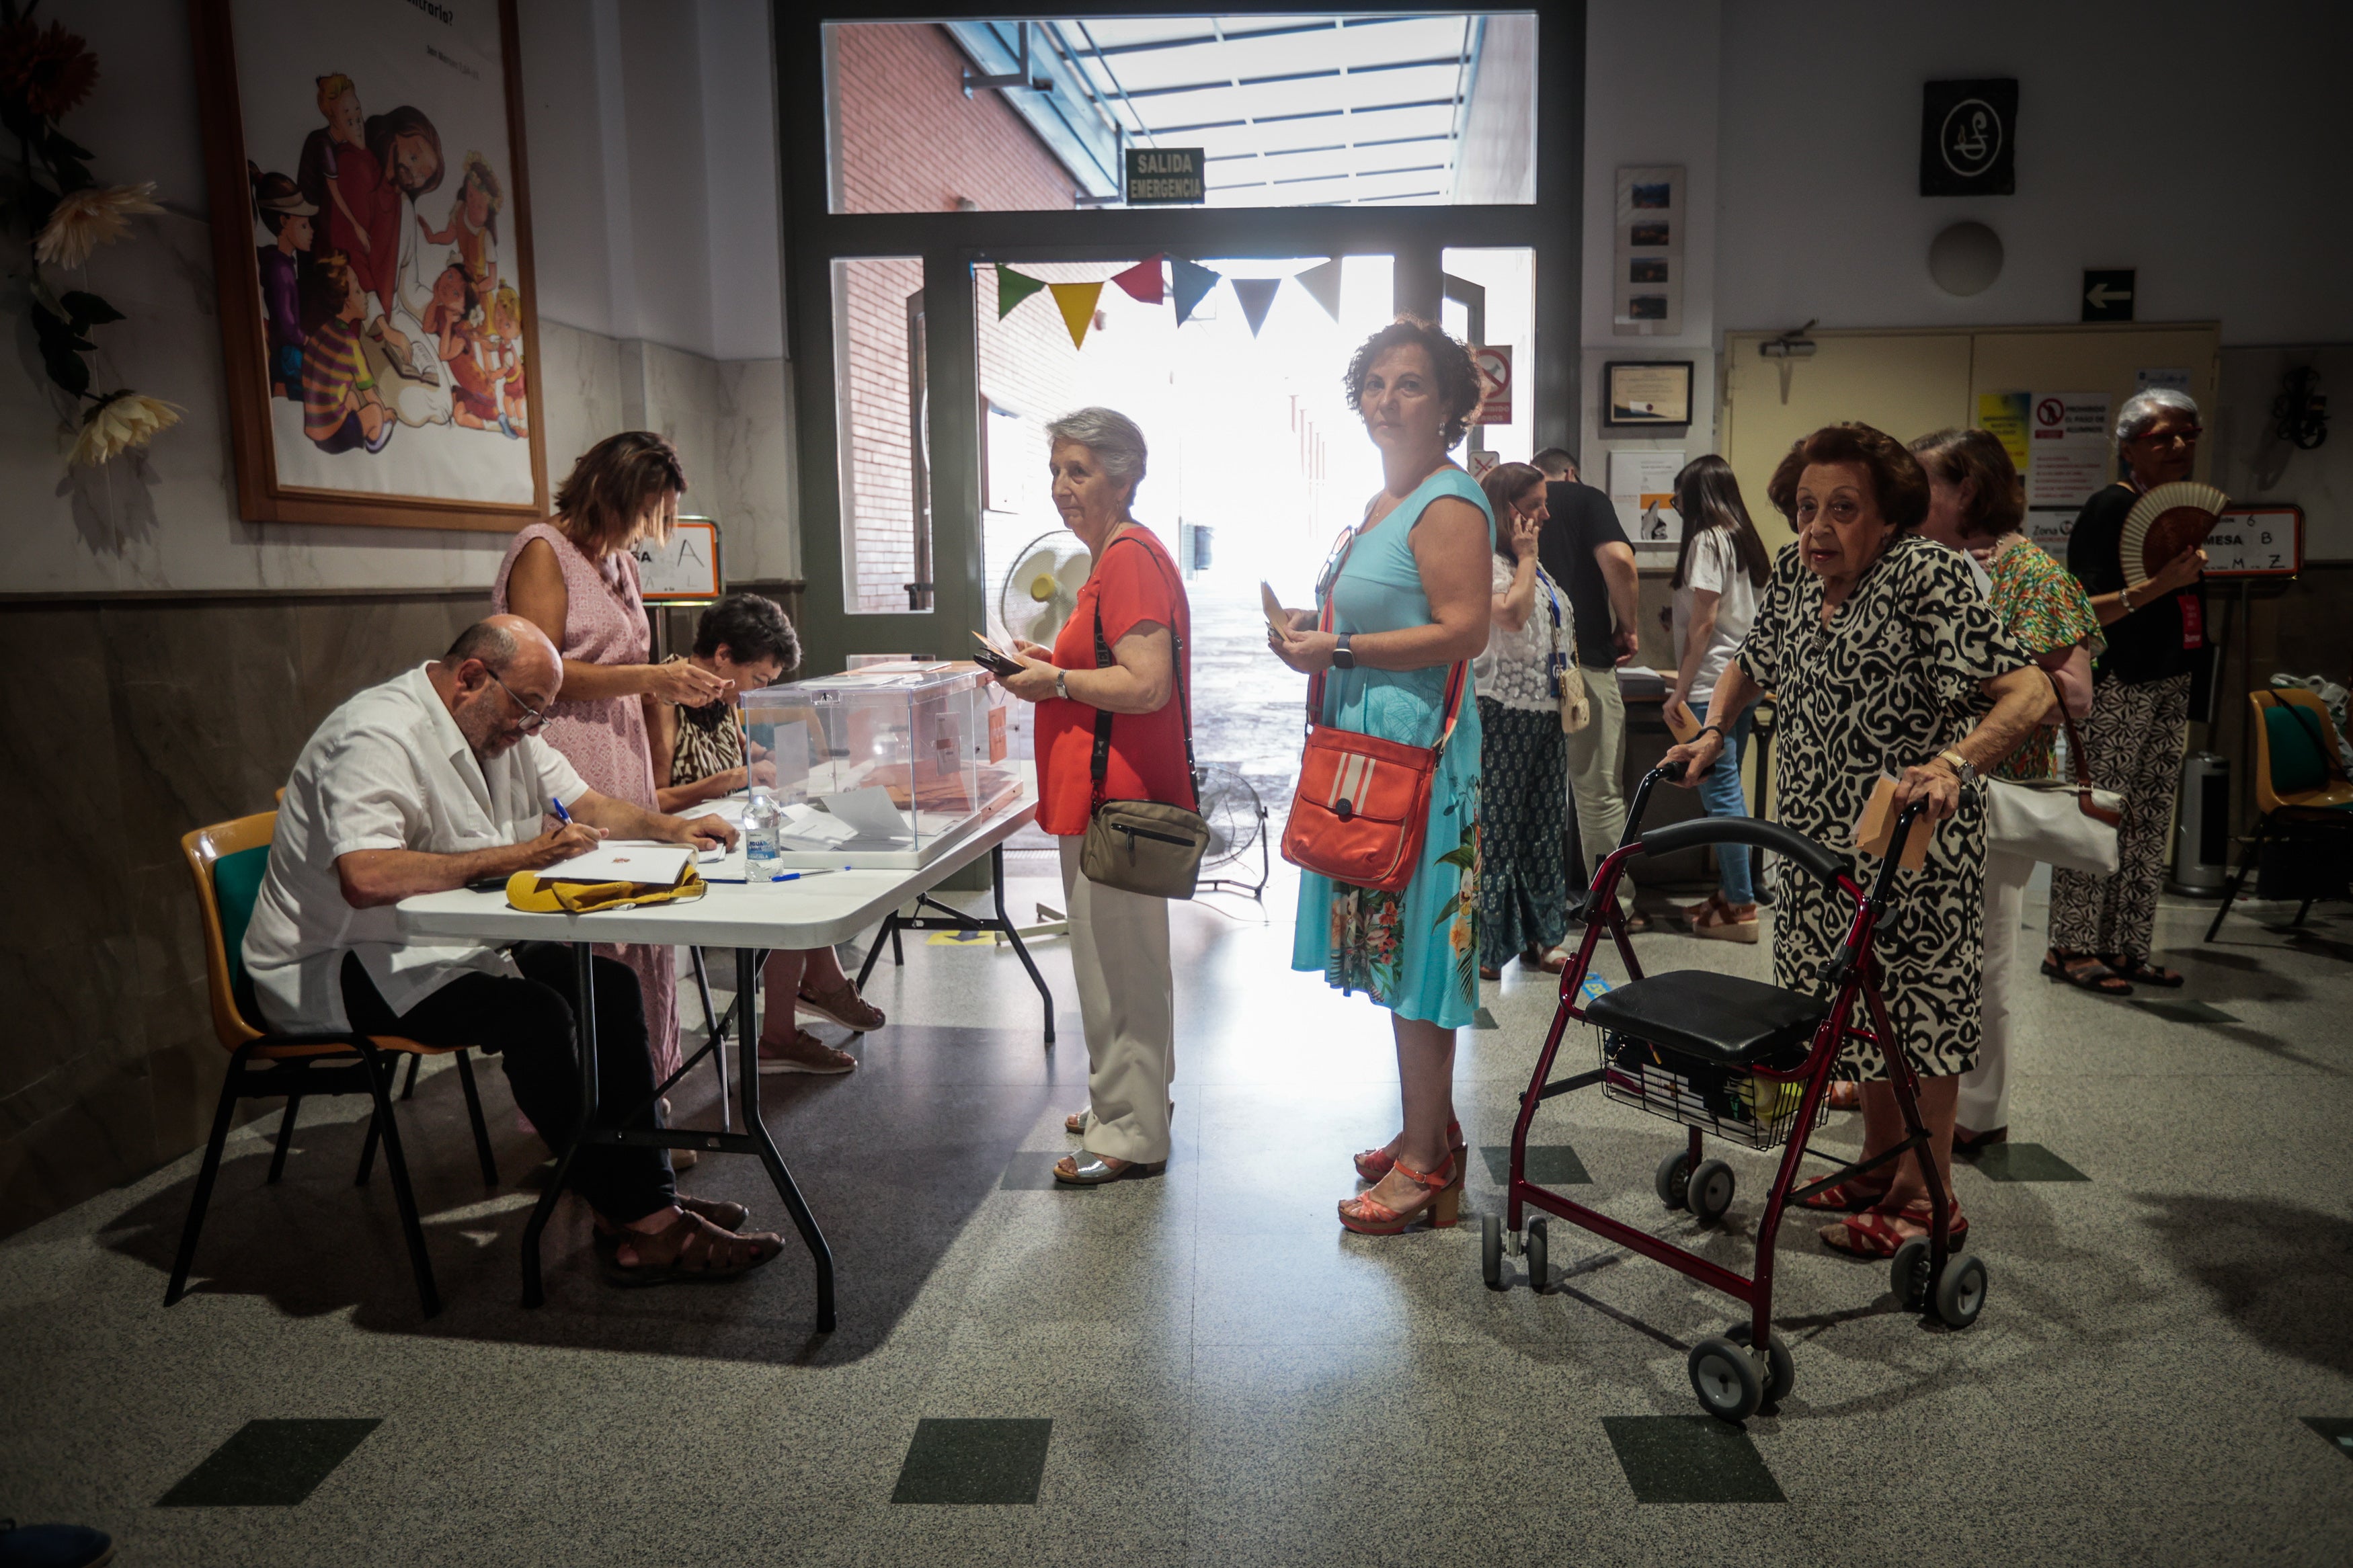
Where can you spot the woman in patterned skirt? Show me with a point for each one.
(1410, 600)
(1523, 754)
(746, 640)
(1885, 662)
(576, 578)
(1975, 505)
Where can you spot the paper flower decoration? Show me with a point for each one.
(87, 219)
(126, 420)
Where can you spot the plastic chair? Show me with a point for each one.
(229, 861)
(2301, 788)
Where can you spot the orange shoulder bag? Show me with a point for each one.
(1363, 803)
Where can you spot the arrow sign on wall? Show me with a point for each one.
(2108, 294)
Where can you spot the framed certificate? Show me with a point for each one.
(1638, 394)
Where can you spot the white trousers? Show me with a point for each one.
(1127, 1002)
(1985, 1088)
(1597, 770)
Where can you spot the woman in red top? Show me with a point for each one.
(1119, 941)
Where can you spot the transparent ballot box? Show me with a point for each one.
(885, 765)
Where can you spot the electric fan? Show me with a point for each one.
(1237, 819)
(2169, 521)
(1039, 595)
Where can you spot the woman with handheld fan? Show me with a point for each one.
(1112, 727)
(1400, 615)
(2147, 591)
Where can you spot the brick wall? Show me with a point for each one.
(912, 141)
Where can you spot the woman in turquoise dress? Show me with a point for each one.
(1410, 600)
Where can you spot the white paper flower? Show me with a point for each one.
(87, 219)
(127, 419)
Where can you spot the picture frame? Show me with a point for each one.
(381, 372)
(1646, 394)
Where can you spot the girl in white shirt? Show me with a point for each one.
(1718, 571)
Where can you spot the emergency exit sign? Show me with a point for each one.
(1166, 176)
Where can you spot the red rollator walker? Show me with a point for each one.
(1750, 1063)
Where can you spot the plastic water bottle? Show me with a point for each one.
(763, 824)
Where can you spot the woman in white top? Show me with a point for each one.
(1718, 571)
(1523, 755)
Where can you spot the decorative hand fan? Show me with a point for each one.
(2169, 521)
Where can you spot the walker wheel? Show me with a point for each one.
(1780, 1372)
(1673, 1178)
(1491, 1251)
(1537, 1255)
(1725, 1380)
(1907, 1276)
(1960, 1290)
(1709, 1191)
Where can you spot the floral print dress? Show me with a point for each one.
(1416, 952)
(2042, 606)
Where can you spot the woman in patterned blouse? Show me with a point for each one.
(1884, 662)
(699, 755)
(1975, 506)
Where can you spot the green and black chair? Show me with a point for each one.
(2304, 795)
(229, 861)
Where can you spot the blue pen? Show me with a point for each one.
(562, 816)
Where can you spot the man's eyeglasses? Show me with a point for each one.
(2171, 438)
(534, 720)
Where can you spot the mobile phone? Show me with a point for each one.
(992, 658)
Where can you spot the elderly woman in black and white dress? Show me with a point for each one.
(1884, 661)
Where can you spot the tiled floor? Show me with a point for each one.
(1202, 1368)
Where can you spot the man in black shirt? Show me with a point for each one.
(1586, 550)
(2102, 927)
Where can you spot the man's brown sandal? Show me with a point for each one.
(692, 1251)
(725, 1213)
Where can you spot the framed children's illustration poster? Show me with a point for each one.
(372, 242)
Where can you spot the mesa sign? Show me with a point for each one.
(1165, 176)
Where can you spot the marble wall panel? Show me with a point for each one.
(153, 717)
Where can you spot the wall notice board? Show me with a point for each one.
(1910, 382)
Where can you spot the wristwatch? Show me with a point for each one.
(1060, 691)
(1966, 769)
(1341, 657)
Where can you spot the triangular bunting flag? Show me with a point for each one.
(1257, 295)
(1012, 288)
(1323, 286)
(1077, 306)
(1193, 281)
(1142, 281)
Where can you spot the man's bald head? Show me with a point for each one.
(494, 675)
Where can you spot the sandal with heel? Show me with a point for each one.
(1437, 1197)
(1374, 1163)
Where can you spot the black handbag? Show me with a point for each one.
(1147, 847)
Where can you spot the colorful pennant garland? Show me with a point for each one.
(1257, 295)
(1077, 304)
(1322, 284)
(1194, 282)
(1012, 288)
(1188, 282)
(1143, 280)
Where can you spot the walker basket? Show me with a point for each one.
(1732, 1103)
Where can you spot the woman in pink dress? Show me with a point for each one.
(576, 578)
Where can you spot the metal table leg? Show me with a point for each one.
(748, 981)
(584, 1004)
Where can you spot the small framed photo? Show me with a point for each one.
(1637, 393)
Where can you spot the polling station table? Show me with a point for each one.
(814, 911)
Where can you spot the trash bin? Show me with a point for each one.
(2201, 830)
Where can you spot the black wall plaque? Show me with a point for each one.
(1968, 138)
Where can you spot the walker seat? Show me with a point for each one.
(1720, 1018)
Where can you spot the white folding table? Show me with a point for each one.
(814, 911)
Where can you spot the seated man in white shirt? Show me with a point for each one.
(435, 779)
